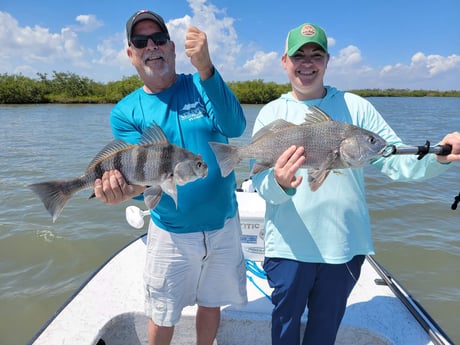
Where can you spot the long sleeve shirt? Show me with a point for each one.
(191, 113)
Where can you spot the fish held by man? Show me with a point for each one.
(153, 162)
(328, 144)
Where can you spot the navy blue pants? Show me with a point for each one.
(324, 288)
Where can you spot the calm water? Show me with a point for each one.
(416, 233)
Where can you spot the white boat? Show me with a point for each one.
(108, 308)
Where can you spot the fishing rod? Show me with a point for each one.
(422, 151)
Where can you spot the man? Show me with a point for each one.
(315, 242)
(194, 254)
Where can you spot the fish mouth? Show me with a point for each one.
(205, 170)
(388, 150)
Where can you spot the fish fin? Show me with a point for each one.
(271, 128)
(108, 150)
(169, 187)
(316, 115)
(152, 196)
(316, 178)
(227, 157)
(153, 135)
(258, 167)
(53, 195)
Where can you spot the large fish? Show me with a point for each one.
(154, 162)
(328, 145)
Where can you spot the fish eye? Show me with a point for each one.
(199, 164)
(371, 139)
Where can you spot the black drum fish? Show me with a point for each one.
(328, 145)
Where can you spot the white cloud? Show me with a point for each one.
(347, 71)
(259, 63)
(423, 71)
(436, 64)
(71, 48)
(330, 42)
(36, 50)
(111, 61)
(350, 55)
(88, 23)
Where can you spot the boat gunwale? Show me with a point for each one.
(435, 332)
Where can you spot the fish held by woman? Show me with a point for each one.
(328, 144)
(153, 162)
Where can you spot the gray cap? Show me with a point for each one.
(144, 15)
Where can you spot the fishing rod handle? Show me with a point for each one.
(443, 150)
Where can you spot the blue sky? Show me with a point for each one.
(410, 44)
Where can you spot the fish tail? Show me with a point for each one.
(227, 157)
(54, 195)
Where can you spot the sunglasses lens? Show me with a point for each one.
(139, 42)
(158, 38)
(160, 42)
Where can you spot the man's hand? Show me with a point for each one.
(112, 188)
(452, 139)
(196, 48)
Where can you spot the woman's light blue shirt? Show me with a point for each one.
(332, 224)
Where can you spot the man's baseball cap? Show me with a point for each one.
(305, 33)
(144, 15)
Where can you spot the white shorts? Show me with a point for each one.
(205, 268)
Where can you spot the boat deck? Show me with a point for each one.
(110, 307)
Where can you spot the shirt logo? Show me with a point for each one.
(192, 111)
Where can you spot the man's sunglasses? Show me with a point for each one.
(159, 38)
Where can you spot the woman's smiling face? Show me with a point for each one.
(306, 70)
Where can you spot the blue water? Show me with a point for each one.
(416, 233)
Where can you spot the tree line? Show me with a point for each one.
(66, 87)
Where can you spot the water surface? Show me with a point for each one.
(416, 233)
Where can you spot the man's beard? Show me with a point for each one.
(151, 73)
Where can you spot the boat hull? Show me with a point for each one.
(109, 308)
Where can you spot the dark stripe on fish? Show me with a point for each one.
(141, 159)
(118, 160)
(165, 155)
(98, 171)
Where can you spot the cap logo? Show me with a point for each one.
(308, 30)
